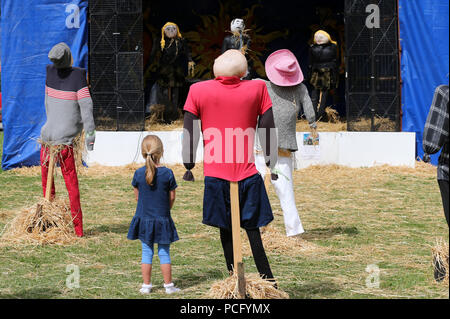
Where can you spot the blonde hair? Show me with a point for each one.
(152, 151)
(325, 34)
(163, 41)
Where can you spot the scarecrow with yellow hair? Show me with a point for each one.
(172, 63)
(323, 70)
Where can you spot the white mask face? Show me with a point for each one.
(170, 31)
(320, 38)
(237, 25)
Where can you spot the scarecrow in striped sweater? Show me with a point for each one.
(68, 106)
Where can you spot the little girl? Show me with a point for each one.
(154, 188)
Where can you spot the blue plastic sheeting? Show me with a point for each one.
(28, 32)
(424, 40)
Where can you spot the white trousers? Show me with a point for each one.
(284, 187)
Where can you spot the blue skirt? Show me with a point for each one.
(254, 204)
(150, 230)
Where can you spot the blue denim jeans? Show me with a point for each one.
(163, 254)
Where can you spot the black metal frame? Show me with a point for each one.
(372, 68)
(116, 64)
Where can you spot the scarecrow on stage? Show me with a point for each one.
(68, 106)
(226, 104)
(323, 70)
(173, 62)
(238, 40)
(288, 94)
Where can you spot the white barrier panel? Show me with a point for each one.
(353, 149)
(359, 149)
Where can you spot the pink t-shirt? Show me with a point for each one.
(228, 109)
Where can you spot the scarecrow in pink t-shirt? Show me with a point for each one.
(230, 110)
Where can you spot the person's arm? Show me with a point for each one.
(268, 138)
(136, 193)
(172, 196)
(86, 110)
(191, 137)
(436, 128)
(308, 108)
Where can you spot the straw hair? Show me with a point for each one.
(325, 34)
(230, 63)
(152, 151)
(163, 41)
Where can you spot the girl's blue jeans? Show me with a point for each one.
(163, 254)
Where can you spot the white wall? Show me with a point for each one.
(353, 149)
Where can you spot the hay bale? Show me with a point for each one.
(332, 115)
(440, 261)
(50, 225)
(255, 287)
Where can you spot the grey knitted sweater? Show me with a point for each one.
(68, 105)
(286, 103)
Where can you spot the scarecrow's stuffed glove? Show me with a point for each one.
(90, 140)
(426, 158)
(273, 175)
(188, 176)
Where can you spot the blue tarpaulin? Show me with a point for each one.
(424, 63)
(28, 32)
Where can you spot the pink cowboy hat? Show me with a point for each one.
(282, 68)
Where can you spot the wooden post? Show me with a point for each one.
(51, 167)
(236, 231)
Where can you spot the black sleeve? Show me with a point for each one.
(225, 44)
(268, 137)
(191, 136)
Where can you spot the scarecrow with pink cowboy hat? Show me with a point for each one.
(287, 93)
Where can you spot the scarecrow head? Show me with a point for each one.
(230, 63)
(237, 25)
(61, 56)
(171, 31)
(322, 37)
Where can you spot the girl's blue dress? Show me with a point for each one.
(152, 222)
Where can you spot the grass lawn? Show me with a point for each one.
(385, 217)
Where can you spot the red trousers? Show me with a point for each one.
(67, 163)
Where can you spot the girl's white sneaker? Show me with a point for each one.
(146, 289)
(170, 288)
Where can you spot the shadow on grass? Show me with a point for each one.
(323, 233)
(112, 228)
(194, 279)
(33, 293)
(313, 290)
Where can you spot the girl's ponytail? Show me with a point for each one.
(151, 169)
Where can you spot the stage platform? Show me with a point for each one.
(351, 149)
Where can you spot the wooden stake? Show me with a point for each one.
(236, 231)
(51, 168)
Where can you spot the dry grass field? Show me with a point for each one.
(384, 217)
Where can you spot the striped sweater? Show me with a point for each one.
(68, 105)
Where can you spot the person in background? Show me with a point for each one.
(435, 138)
